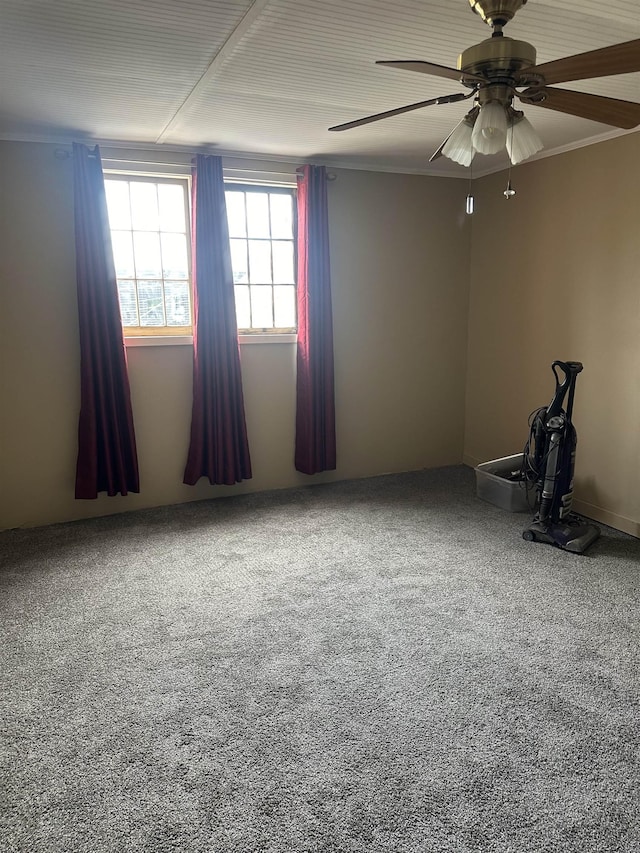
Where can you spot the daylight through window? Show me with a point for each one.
(149, 218)
(149, 234)
(262, 237)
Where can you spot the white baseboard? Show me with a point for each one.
(611, 519)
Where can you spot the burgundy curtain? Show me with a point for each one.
(219, 448)
(107, 458)
(315, 407)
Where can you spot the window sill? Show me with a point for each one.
(159, 341)
(287, 338)
(187, 340)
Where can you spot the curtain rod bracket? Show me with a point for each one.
(330, 175)
(63, 154)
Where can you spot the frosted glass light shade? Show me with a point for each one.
(522, 141)
(458, 146)
(490, 130)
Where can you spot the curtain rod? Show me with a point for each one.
(62, 154)
(182, 165)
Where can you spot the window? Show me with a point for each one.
(262, 237)
(149, 221)
(149, 233)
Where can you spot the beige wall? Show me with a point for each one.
(400, 261)
(555, 274)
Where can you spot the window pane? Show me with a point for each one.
(118, 204)
(149, 234)
(261, 307)
(284, 304)
(175, 263)
(281, 216)
(144, 206)
(147, 253)
(283, 262)
(243, 311)
(171, 208)
(128, 304)
(259, 261)
(235, 214)
(176, 300)
(151, 303)
(239, 261)
(258, 214)
(123, 254)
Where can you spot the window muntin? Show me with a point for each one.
(149, 222)
(263, 247)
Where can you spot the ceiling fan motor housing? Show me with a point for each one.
(497, 58)
(496, 13)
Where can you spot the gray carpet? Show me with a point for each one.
(379, 665)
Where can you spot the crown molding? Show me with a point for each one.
(294, 161)
(559, 149)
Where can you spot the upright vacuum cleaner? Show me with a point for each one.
(549, 461)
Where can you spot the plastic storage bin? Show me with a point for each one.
(492, 485)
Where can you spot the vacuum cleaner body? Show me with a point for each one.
(550, 464)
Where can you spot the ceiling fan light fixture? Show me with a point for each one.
(490, 130)
(458, 146)
(522, 140)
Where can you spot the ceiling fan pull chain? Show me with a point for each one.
(510, 192)
(470, 202)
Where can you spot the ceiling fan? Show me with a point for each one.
(500, 69)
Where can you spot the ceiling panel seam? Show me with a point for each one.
(236, 35)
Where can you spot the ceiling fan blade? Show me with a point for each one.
(606, 110)
(430, 68)
(617, 59)
(444, 99)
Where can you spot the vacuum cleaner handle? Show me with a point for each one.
(570, 370)
(567, 367)
(573, 366)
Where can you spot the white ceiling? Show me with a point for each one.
(270, 77)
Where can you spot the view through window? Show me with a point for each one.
(262, 237)
(151, 246)
(149, 234)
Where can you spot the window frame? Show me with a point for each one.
(157, 333)
(135, 336)
(243, 186)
